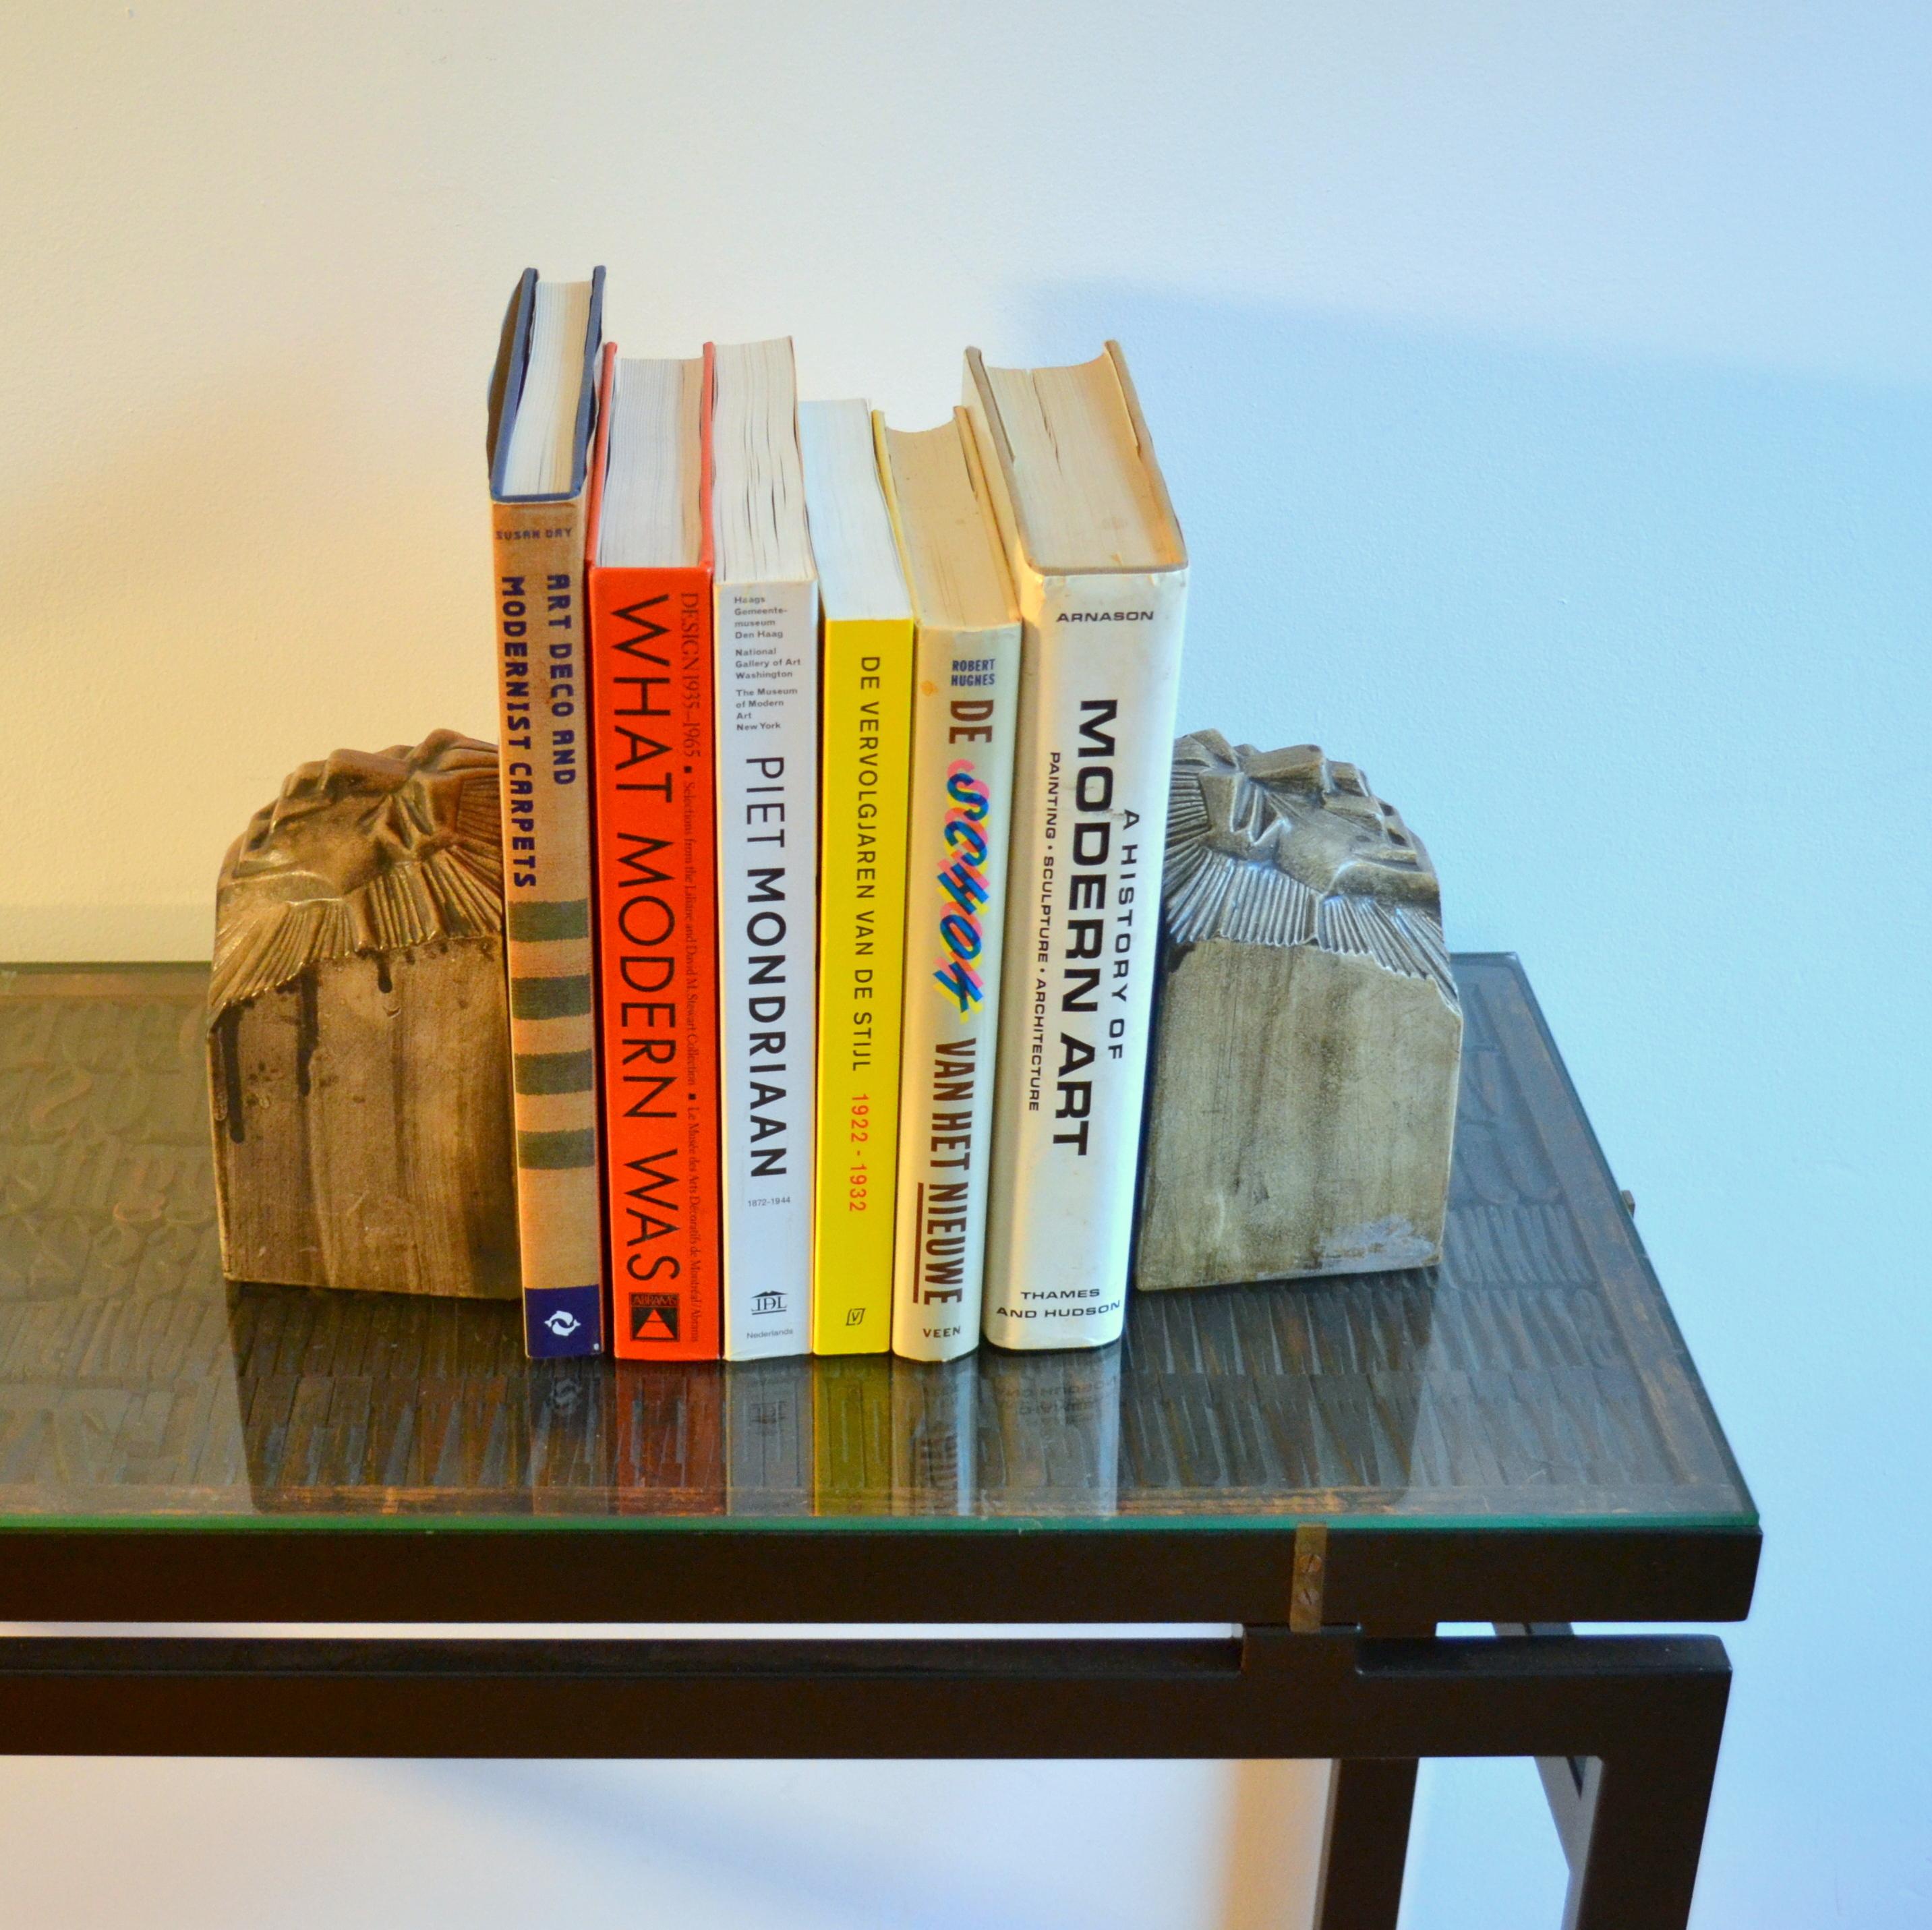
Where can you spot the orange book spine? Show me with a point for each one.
(655, 837)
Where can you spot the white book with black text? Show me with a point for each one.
(1100, 571)
(766, 631)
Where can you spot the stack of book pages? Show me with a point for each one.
(836, 764)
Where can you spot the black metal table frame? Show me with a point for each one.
(1625, 1729)
(1337, 1601)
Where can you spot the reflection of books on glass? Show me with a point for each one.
(1049, 1432)
(768, 1446)
(568, 1401)
(851, 1414)
(669, 1437)
(933, 1427)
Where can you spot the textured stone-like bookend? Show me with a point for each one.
(358, 1059)
(1308, 1033)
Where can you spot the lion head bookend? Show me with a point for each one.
(358, 1031)
(367, 851)
(1290, 848)
(1307, 1035)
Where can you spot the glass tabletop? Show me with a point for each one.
(1535, 1377)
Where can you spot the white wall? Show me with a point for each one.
(1545, 391)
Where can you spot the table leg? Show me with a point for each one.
(1365, 1844)
(1632, 1827)
(1644, 1811)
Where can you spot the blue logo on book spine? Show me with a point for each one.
(563, 1320)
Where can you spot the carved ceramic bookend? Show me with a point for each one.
(358, 1038)
(1307, 1035)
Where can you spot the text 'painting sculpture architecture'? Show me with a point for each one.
(1308, 1033)
(358, 1042)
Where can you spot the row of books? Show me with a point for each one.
(832, 826)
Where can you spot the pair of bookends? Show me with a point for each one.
(358, 1037)
(1305, 1053)
(1308, 1033)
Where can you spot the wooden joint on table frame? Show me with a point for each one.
(1311, 1574)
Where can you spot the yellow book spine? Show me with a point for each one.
(866, 761)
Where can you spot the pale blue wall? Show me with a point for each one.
(1613, 566)
(1639, 643)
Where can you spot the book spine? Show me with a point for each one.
(865, 761)
(546, 799)
(1089, 822)
(654, 758)
(767, 655)
(964, 713)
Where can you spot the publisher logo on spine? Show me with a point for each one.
(563, 1320)
(654, 1316)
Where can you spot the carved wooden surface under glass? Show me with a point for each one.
(1535, 1375)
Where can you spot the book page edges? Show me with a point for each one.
(517, 341)
(706, 457)
(852, 573)
(586, 393)
(808, 574)
(990, 523)
(512, 347)
(600, 454)
(985, 413)
(600, 463)
(1144, 443)
(982, 490)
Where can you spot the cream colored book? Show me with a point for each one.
(966, 683)
(1101, 573)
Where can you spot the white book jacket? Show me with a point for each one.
(1091, 770)
(767, 642)
(1100, 680)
